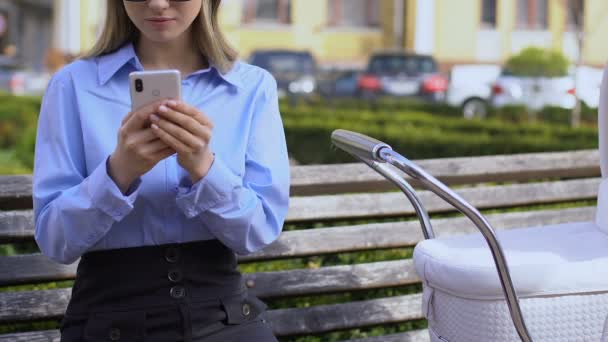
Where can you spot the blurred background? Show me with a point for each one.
(351, 47)
(443, 68)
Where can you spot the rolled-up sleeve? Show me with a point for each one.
(73, 210)
(247, 213)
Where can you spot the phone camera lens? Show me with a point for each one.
(139, 85)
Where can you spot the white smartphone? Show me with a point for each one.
(149, 86)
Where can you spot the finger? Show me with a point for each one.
(164, 153)
(178, 132)
(186, 122)
(170, 140)
(140, 116)
(190, 111)
(126, 118)
(154, 147)
(142, 136)
(176, 117)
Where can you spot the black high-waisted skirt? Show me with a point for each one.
(177, 292)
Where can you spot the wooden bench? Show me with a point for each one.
(365, 214)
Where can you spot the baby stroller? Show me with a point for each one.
(560, 271)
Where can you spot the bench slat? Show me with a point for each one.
(333, 279)
(313, 281)
(51, 304)
(356, 177)
(23, 269)
(53, 336)
(16, 225)
(33, 305)
(35, 336)
(410, 336)
(335, 207)
(309, 242)
(325, 318)
(16, 192)
(19, 224)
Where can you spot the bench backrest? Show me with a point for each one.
(346, 245)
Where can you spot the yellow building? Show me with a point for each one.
(336, 31)
(493, 30)
(454, 31)
(345, 32)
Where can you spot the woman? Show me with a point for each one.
(155, 208)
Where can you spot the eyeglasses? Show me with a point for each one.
(147, 0)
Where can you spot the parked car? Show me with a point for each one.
(470, 88)
(295, 71)
(339, 83)
(17, 81)
(534, 93)
(403, 74)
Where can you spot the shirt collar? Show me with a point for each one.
(110, 64)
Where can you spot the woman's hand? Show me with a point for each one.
(138, 148)
(188, 131)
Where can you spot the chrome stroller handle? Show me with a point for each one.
(366, 149)
(376, 154)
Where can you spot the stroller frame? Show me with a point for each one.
(379, 155)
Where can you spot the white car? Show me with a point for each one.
(537, 93)
(470, 88)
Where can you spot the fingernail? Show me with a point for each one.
(162, 109)
(153, 117)
(154, 126)
(172, 103)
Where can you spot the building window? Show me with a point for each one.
(267, 11)
(488, 13)
(362, 13)
(532, 14)
(575, 10)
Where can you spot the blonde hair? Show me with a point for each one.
(119, 30)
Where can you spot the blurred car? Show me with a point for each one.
(537, 93)
(16, 81)
(295, 71)
(533, 92)
(470, 88)
(339, 83)
(403, 74)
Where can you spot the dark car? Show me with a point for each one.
(339, 83)
(295, 71)
(403, 75)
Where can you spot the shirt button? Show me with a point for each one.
(175, 276)
(114, 334)
(178, 292)
(172, 255)
(246, 309)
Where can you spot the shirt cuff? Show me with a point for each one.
(217, 186)
(107, 196)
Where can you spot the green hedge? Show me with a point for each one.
(420, 135)
(18, 120)
(415, 129)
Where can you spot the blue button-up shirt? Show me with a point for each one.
(242, 201)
